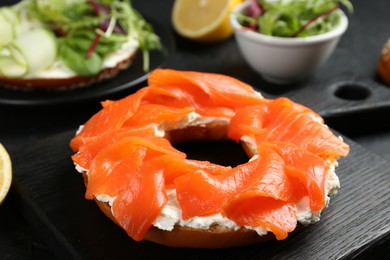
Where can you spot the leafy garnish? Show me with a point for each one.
(76, 62)
(292, 18)
(93, 29)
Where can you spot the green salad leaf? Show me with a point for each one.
(76, 62)
(295, 18)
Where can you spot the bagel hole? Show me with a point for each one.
(222, 152)
(350, 91)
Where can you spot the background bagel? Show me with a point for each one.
(59, 50)
(67, 83)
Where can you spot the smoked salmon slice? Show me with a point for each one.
(111, 117)
(142, 200)
(223, 91)
(213, 191)
(307, 172)
(280, 120)
(89, 150)
(150, 113)
(277, 216)
(114, 165)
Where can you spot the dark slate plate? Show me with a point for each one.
(356, 223)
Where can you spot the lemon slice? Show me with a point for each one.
(203, 20)
(5, 172)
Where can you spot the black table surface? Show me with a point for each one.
(346, 90)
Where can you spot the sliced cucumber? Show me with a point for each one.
(17, 55)
(10, 14)
(10, 68)
(7, 31)
(38, 47)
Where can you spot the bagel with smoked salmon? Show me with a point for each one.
(44, 45)
(154, 192)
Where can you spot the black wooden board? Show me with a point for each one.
(52, 198)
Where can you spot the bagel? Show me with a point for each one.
(68, 82)
(152, 191)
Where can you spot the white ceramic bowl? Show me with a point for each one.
(285, 60)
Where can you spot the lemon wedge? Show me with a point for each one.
(5, 173)
(203, 20)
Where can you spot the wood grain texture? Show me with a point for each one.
(52, 198)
